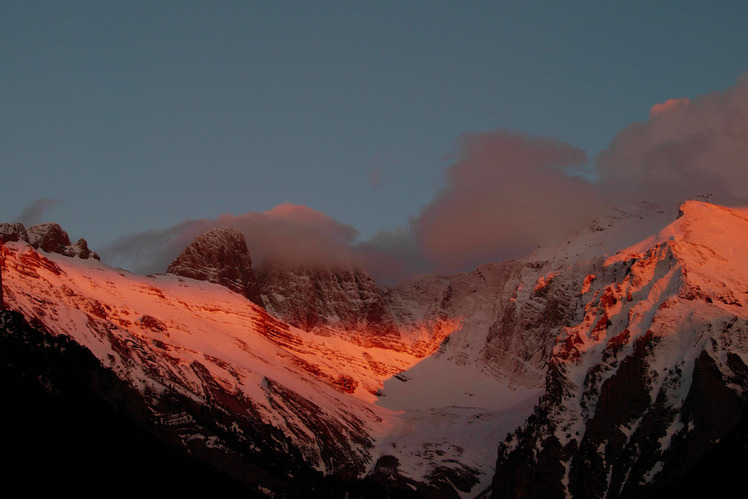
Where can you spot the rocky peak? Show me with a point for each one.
(648, 378)
(220, 256)
(48, 237)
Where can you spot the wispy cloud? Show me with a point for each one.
(34, 213)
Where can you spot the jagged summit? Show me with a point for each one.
(323, 300)
(48, 237)
(219, 255)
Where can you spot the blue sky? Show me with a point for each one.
(132, 116)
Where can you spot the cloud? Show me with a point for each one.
(391, 256)
(34, 213)
(287, 233)
(667, 106)
(685, 148)
(504, 194)
(152, 251)
(507, 193)
(295, 233)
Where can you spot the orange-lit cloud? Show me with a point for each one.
(686, 148)
(667, 106)
(287, 233)
(506, 194)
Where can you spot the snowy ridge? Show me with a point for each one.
(660, 318)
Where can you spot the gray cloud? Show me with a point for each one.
(34, 213)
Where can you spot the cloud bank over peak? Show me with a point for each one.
(504, 194)
(287, 233)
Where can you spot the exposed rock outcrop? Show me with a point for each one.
(10, 232)
(326, 300)
(220, 256)
(47, 237)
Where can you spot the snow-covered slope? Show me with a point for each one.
(653, 374)
(205, 342)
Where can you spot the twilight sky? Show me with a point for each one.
(402, 136)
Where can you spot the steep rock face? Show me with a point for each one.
(453, 314)
(220, 256)
(641, 390)
(326, 301)
(320, 300)
(48, 237)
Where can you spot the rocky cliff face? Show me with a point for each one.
(330, 301)
(220, 256)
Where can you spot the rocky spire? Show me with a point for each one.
(221, 256)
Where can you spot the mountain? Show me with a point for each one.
(219, 255)
(611, 364)
(646, 391)
(329, 301)
(48, 237)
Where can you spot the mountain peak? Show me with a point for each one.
(219, 255)
(48, 237)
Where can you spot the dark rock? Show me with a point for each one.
(81, 250)
(13, 232)
(220, 256)
(316, 299)
(49, 237)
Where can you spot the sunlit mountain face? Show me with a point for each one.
(613, 364)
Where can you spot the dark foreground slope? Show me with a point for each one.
(71, 426)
